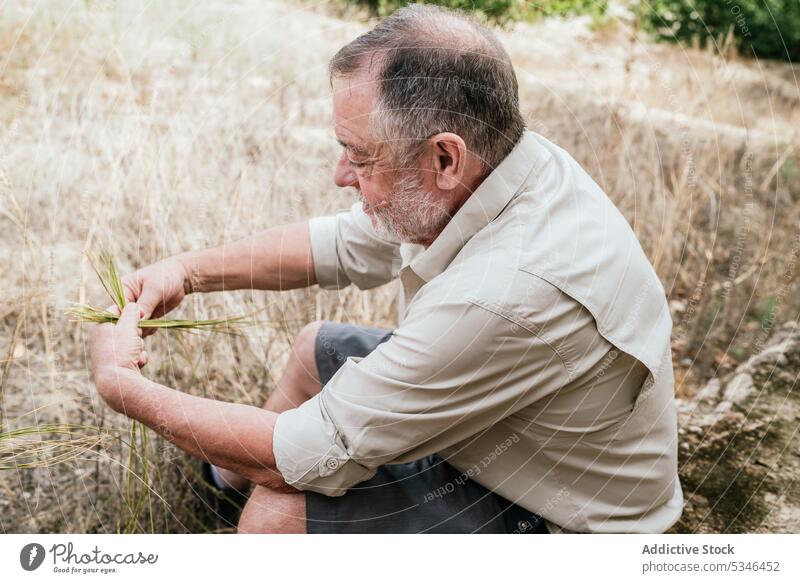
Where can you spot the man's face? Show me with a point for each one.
(397, 200)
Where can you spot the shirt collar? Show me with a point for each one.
(481, 208)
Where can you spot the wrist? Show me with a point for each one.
(114, 385)
(190, 265)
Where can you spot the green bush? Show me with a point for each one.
(768, 29)
(501, 11)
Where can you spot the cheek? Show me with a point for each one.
(375, 189)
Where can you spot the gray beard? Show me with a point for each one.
(412, 215)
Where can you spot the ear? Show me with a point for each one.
(449, 160)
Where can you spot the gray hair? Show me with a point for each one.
(438, 70)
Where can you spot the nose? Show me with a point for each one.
(344, 174)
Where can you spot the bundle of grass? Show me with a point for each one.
(105, 266)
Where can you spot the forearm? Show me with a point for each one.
(278, 258)
(233, 436)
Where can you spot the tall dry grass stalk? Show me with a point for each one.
(173, 128)
(46, 445)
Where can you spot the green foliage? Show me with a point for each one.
(768, 29)
(500, 11)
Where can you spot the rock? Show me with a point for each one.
(677, 306)
(739, 448)
(737, 390)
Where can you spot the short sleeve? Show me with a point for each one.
(346, 249)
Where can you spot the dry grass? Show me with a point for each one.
(185, 126)
(104, 265)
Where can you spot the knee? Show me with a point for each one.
(268, 511)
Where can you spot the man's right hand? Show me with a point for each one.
(157, 288)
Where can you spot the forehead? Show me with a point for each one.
(354, 97)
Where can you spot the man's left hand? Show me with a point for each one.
(116, 351)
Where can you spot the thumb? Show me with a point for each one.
(148, 301)
(130, 317)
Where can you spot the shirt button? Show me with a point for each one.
(332, 463)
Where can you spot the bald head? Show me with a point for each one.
(437, 70)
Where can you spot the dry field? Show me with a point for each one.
(175, 125)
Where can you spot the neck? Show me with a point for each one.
(459, 201)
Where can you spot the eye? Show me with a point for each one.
(355, 164)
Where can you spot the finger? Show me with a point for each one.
(139, 331)
(129, 319)
(114, 309)
(149, 301)
(148, 331)
(143, 358)
(127, 289)
(158, 312)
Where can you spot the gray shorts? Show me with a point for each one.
(426, 495)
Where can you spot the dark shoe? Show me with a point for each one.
(225, 503)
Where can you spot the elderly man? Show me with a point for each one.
(528, 386)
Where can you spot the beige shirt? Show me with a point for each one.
(532, 353)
